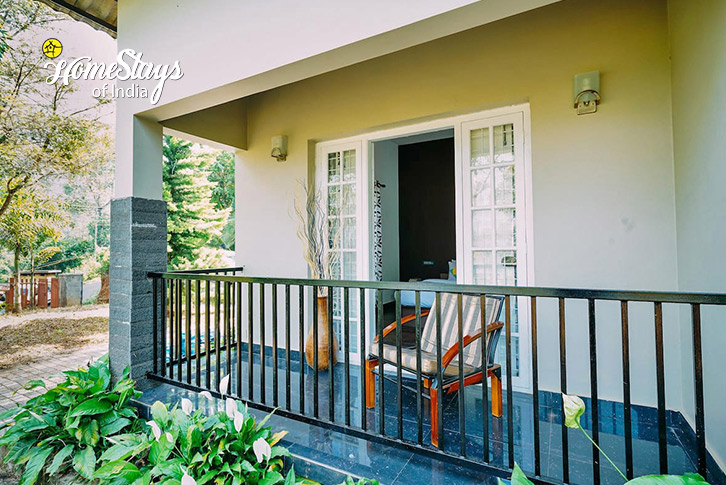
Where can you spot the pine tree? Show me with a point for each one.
(222, 174)
(193, 220)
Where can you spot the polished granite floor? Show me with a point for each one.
(394, 465)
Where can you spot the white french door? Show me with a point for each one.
(493, 219)
(340, 178)
(493, 216)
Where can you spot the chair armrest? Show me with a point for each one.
(453, 352)
(408, 318)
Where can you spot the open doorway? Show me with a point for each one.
(415, 237)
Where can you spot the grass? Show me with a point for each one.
(29, 340)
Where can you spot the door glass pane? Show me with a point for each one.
(333, 200)
(349, 265)
(502, 354)
(480, 147)
(506, 236)
(481, 222)
(349, 165)
(481, 187)
(335, 268)
(334, 167)
(504, 185)
(349, 199)
(349, 233)
(506, 263)
(504, 143)
(337, 303)
(334, 233)
(483, 274)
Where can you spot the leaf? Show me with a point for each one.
(159, 412)
(118, 452)
(34, 384)
(574, 408)
(275, 438)
(160, 450)
(279, 451)
(90, 434)
(118, 469)
(123, 385)
(91, 407)
(518, 477)
(114, 426)
(35, 465)
(9, 413)
(84, 462)
(265, 419)
(271, 478)
(290, 478)
(687, 479)
(59, 458)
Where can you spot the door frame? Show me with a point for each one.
(365, 196)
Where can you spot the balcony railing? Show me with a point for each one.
(210, 324)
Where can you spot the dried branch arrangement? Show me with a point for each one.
(320, 239)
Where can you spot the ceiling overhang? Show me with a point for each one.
(100, 14)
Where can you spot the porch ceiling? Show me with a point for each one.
(99, 14)
(453, 21)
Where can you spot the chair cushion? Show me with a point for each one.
(471, 324)
(408, 360)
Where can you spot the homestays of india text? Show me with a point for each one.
(128, 66)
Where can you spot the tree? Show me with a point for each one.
(26, 228)
(192, 218)
(222, 175)
(91, 193)
(41, 137)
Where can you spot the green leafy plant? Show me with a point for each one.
(574, 408)
(86, 428)
(69, 426)
(182, 446)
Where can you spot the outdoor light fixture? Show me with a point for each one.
(587, 92)
(279, 148)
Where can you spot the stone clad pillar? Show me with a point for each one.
(138, 244)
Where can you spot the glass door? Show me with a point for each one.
(494, 220)
(340, 185)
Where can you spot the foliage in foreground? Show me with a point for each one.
(86, 428)
(69, 426)
(574, 409)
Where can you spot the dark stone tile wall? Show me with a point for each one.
(138, 245)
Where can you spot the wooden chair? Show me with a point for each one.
(472, 351)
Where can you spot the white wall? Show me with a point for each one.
(603, 184)
(225, 46)
(698, 45)
(386, 172)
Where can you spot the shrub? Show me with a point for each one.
(182, 446)
(85, 427)
(62, 429)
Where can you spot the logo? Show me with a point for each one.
(52, 48)
(129, 66)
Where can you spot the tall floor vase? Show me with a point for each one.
(324, 331)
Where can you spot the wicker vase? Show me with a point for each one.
(324, 330)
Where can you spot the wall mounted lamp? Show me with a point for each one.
(587, 92)
(279, 148)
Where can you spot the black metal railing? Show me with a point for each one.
(209, 324)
